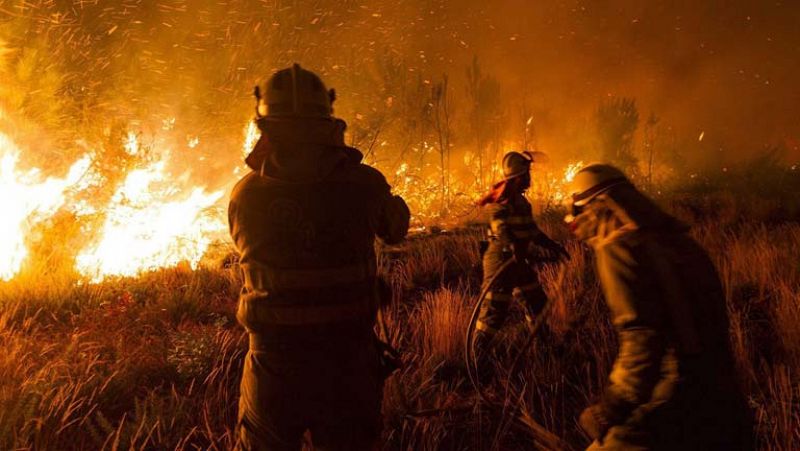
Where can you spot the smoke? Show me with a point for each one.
(723, 68)
(151, 100)
(88, 71)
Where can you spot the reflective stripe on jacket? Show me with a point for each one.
(288, 305)
(512, 221)
(307, 245)
(259, 277)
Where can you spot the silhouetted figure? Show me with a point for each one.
(305, 220)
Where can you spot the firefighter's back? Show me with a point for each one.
(308, 303)
(307, 250)
(304, 222)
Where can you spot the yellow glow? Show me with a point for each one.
(132, 144)
(25, 200)
(151, 222)
(571, 170)
(550, 187)
(251, 137)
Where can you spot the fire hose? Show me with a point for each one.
(471, 364)
(551, 440)
(469, 359)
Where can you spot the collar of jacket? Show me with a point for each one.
(300, 150)
(503, 192)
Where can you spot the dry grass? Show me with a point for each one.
(153, 362)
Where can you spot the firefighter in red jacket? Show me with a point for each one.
(512, 234)
(304, 221)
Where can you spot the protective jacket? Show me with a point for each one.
(672, 385)
(304, 222)
(511, 223)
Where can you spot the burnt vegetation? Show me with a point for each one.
(154, 361)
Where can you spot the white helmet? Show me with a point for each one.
(593, 180)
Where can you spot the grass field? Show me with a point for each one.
(153, 362)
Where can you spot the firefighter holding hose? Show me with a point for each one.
(512, 235)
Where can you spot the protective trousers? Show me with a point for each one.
(332, 389)
(518, 281)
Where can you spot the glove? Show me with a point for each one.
(594, 422)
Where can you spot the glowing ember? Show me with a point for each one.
(156, 218)
(151, 224)
(26, 200)
(132, 144)
(572, 169)
(549, 187)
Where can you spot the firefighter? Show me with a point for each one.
(673, 384)
(512, 233)
(304, 221)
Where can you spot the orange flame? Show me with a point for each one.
(155, 219)
(151, 222)
(550, 187)
(26, 200)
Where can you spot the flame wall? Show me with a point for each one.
(133, 111)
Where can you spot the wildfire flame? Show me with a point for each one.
(551, 187)
(150, 223)
(26, 200)
(156, 219)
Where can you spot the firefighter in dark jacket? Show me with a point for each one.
(512, 234)
(673, 384)
(304, 221)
